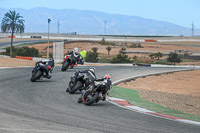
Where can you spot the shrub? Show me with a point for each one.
(157, 55)
(121, 57)
(103, 42)
(23, 51)
(173, 57)
(92, 56)
(135, 45)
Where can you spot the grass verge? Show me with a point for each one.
(133, 97)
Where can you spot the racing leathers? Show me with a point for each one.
(75, 56)
(48, 66)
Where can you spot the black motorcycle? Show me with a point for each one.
(96, 92)
(79, 81)
(38, 72)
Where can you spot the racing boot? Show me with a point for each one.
(103, 97)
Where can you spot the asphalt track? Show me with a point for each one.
(44, 106)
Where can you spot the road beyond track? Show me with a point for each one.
(44, 106)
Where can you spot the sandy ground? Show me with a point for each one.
(148, 47)
(13, 62)
(179, 91)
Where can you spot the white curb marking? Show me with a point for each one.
(140, 109)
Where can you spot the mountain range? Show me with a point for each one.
(93, 23)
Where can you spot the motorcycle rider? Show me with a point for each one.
(48, 66)
(105, 92)
(75, 56)
(90, 74)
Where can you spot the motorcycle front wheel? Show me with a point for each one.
(36, 76)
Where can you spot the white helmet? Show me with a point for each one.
(92, 69)
(76, 49)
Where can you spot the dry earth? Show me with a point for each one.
(148, 47)
(179, 91)
(13, 62)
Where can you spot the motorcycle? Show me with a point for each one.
(78, 82)
(95, 92)
(38, 71)
(67, 62)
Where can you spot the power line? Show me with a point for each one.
(58, 27)
(192, 29)
(105, 21)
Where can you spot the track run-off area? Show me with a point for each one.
(44, 106)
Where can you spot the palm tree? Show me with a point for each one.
(12, 22)
(108, 49)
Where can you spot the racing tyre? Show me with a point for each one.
(65, 66)
(75, 88)
(91, 99)
(36, 76)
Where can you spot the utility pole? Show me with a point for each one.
(49, 20)
(105, 21)
(192, 29)
(58, 27)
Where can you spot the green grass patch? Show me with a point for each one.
(133, 97)
(138, 62)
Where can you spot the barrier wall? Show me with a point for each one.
(150, 40)
(11, 36)
(25, 58)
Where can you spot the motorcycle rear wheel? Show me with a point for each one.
(65, 66)
(92, 100)
(75, 88)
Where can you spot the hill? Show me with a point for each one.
(92, 22)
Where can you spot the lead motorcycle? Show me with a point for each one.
(38, 72)
(79, 81)
(96, 92)
(67, 63)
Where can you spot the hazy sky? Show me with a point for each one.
(180, 12)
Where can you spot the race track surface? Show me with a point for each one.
(44, 106)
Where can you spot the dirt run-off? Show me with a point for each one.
(179, 90)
